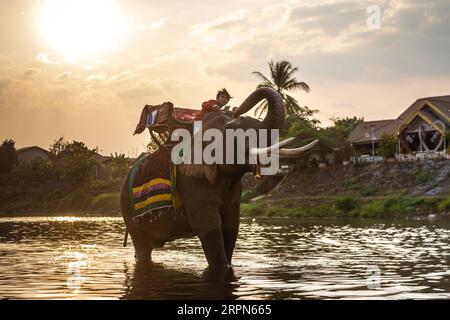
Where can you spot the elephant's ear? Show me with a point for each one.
(199, 171)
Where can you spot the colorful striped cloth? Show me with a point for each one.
(152, 182)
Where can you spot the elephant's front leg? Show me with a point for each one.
(202, 202)
(214, 249)
(230, 233)
(230, 219)
(206, 223)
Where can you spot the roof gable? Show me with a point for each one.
(32, 148)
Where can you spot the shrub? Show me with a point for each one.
(351, 185)
(402, 204)
(252, 209)
(369, 191)
(444, 205)
(387, 146)
(249, 194)
(346, 204)
(422, 177)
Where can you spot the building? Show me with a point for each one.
(422, 127)
(29, 154)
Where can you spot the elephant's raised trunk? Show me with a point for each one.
(275, 113)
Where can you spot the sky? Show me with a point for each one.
(83, 69)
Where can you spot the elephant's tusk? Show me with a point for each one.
(298, 151)
(277, 146)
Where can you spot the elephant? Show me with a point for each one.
(210, 192)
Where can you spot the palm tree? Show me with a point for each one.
(282, 80)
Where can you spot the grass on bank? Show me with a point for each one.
(397, 206)
(78, 202)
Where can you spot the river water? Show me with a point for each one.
(83, 258)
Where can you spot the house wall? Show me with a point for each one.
(33, 154)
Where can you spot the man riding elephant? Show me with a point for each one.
(222, 98)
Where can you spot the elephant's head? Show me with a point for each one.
(224, 121)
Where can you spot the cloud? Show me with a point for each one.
(32, 72)
(63, 77)
(4, 83)
(158, 24)
(331, 39)
(188, 54)
(44, 59)
(221, 23)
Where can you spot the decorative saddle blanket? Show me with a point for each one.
(152, 182)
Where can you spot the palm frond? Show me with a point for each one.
(293, 84)
(265, 85)
(262, 77)
(282, 79)
(261, 109)
(291, 105)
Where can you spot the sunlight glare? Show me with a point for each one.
(81, 28)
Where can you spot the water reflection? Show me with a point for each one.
(82, 258)
(156, 281)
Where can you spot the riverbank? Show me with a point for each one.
(389, 190)
(385, 190)
(320, 207)
(347, 207)
(79, 202)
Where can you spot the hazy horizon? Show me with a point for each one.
(84, 69)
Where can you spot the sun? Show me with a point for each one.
(81, 28)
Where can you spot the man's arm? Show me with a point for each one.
(210, 105)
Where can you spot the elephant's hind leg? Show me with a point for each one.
(142, 247)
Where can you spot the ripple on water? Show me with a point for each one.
(83, 258)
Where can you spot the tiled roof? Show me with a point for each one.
(363, 131)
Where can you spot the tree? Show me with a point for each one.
(120, 165)
(342, 127)
(74, 162)
(282, 80)
(8, 156)
(387, 145)
(57, 148)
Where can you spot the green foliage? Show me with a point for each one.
(8, 156)
(422, 177)
(397, 206)
(66, 182)
(444, 205)
(346, 204)
(57, 148)
(249, 194)
(368, 191)
(387, 145)
(74, 162)
(393, 206)
(252, 209)
(329, 141)
(342, 127)
(352, 185)
(296, 126)
(120, 165)
(32, 173)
